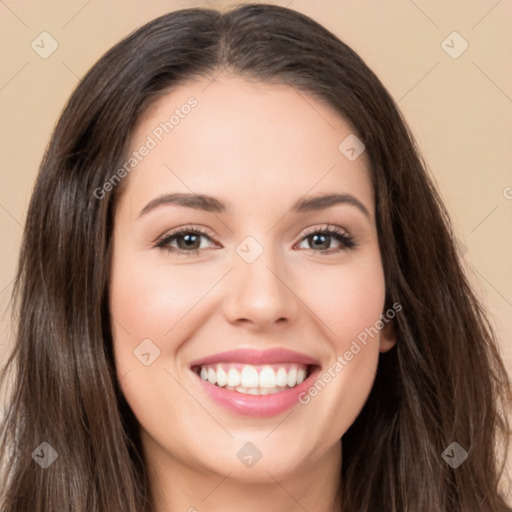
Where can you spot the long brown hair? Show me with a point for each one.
(443, 382)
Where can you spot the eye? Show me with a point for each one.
(184, 241)
(321, 238)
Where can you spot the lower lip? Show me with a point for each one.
(257, 405)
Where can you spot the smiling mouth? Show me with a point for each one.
(254, 379)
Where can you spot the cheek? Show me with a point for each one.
(346, 299)
(170, 303)
(350, 302)
(154, 301)
(159, 301)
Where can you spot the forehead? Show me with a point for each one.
(246, 142)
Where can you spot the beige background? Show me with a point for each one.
(460, 109)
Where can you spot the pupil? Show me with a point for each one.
(188, 240)
(316, 237)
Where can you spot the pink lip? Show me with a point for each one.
(257, 357)
(257, 405)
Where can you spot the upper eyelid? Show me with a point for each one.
(205, 231)
(187, 229)
(325, 227)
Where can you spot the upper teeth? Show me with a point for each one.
(235, 375)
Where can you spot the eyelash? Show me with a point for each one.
(341, 236)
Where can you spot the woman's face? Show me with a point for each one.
(254, 293)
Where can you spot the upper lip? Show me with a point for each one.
(257, 357)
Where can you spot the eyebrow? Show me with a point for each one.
(211, 204)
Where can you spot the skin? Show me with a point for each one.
(259, 147)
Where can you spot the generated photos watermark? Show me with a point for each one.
(156, 136)
(342, 361)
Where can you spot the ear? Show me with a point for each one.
(387, 337)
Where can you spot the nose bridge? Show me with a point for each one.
(258, 291)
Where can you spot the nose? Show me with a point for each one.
(260, 294)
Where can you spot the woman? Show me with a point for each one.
(184, 343)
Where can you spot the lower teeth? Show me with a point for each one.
(257, 391)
